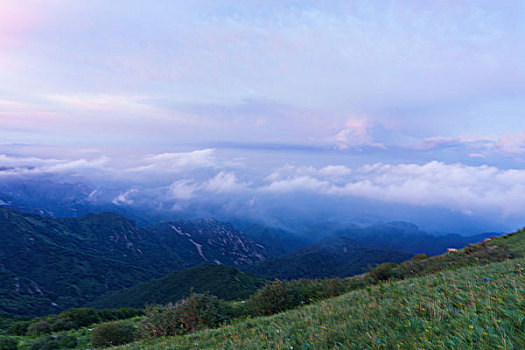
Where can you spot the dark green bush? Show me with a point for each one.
(275, 297)
(8, 343)
(39, 327)
(67, 341)
(119, 314)
(196, 312)
(19, 328)
(82, 317)
(63, 324)
(383, 271)
(107, 315)
(47, 343)
(112, 333)
(419, 257)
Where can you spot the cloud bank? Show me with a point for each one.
(178, 180)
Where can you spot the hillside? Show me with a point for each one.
(479, 307)
(331, 257)
(466, 299)
(407, 237)
(222, 281)
(206, 241)
(67, 262)
(276, 241)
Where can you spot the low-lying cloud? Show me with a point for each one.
(179, 179)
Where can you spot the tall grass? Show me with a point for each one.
(471, 308)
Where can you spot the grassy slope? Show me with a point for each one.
(480, 307)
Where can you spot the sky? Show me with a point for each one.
(407, 103)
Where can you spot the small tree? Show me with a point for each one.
(275, 297)
(112, 333)
(383, 272)
(40, 327)
(196, 312)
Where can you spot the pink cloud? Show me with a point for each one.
(355, 133)
(513, 143)
(18, 18)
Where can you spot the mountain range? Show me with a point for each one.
(50, 264)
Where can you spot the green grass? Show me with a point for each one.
(470, 308)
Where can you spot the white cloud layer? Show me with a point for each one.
(455, 186)
(202, 175)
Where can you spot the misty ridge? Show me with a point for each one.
(199, 184)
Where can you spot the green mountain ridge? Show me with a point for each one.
(225, 282)
(72, 261)
(330, 257)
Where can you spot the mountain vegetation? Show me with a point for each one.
(68, 262)
(331, 257)
(407, 237)
(224, 282)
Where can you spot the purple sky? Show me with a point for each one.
(403, 102)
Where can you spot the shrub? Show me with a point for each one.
(196, 312)
(119, 314)
(63, 324)
(19, 328)
(47, 343)
(107, 315)
(419, 257)
(275, 297)
(82, 317)
(67, 341)
(39, 327)
(112, 333)
(383, 271)
(8, 343)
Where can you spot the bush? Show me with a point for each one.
(82, 317)
(39, 327)
(67, 341)
(63, 324)
(383, 271)
(119, 314)
(8, 343)
(419, 257)
(196, 312)
(275, 297)
(19, 328)
(112, 333)
(47, 343)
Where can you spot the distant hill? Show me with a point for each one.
(58, 263)
(225, 282)
(407, 237)
(276, 241)
(330, 257)
(206, 241)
